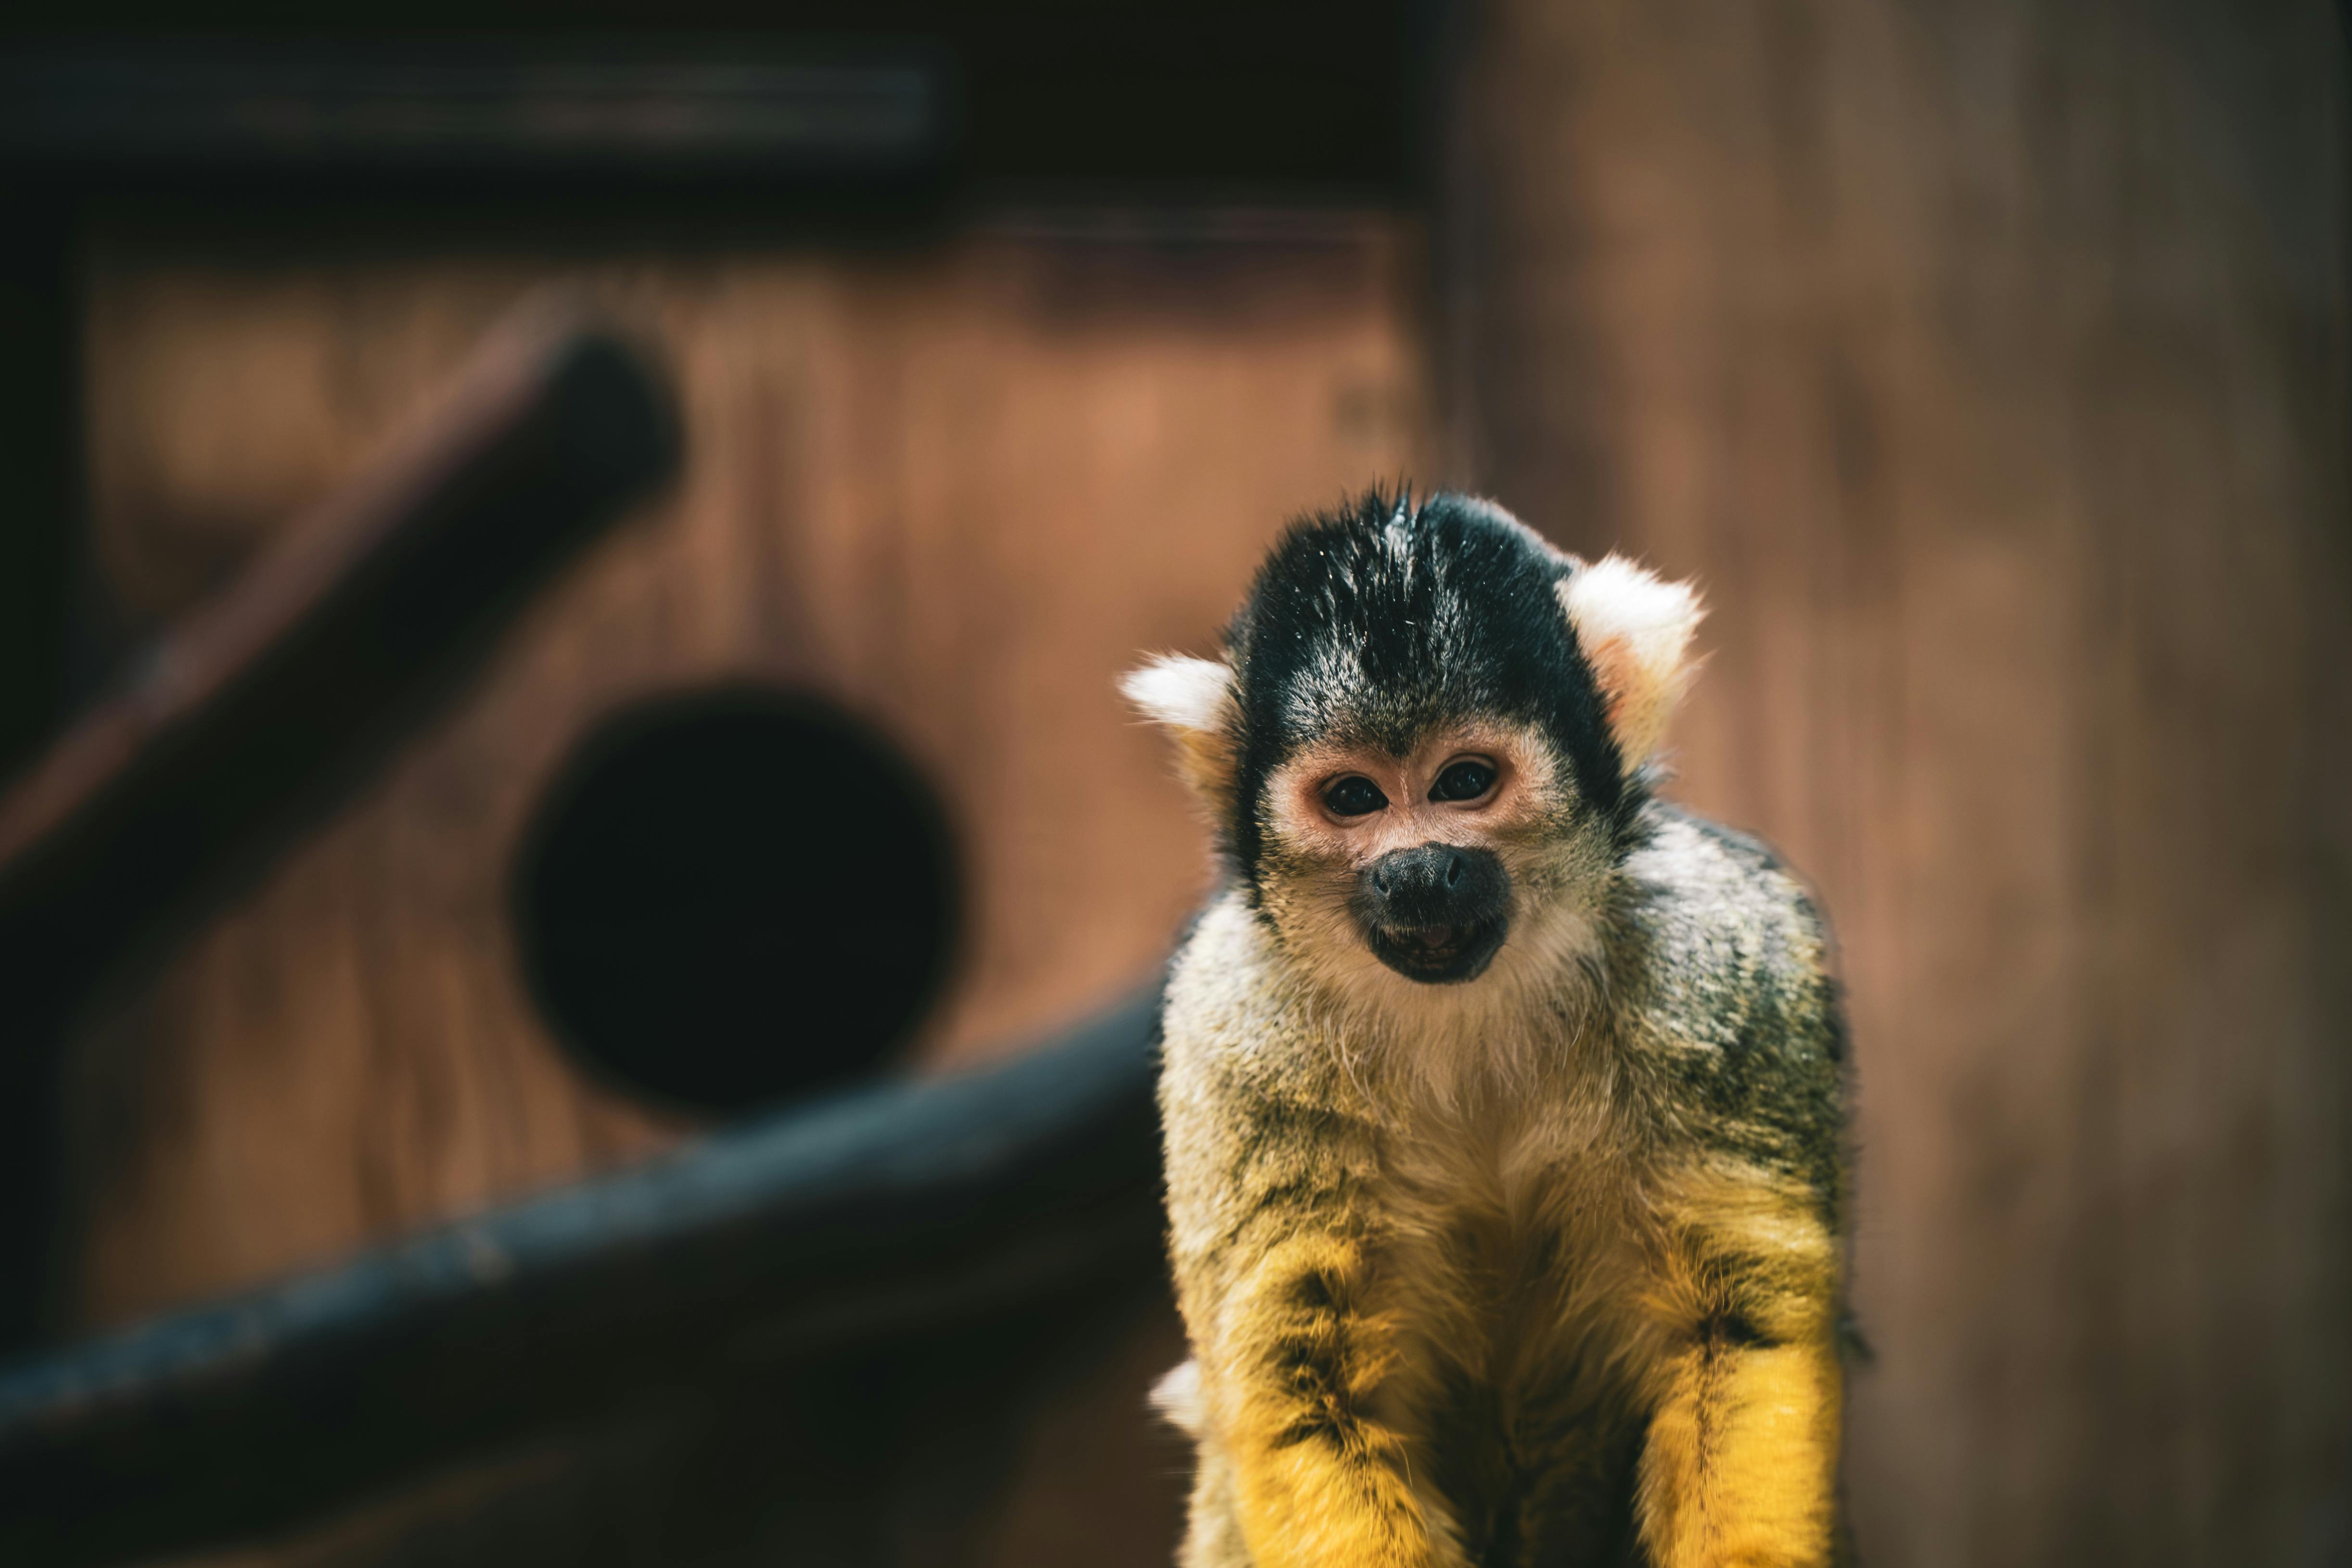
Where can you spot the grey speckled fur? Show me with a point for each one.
(1540, 1268)
(1721, 965)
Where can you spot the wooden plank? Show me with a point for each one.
(230, 716)
(258, 712)
(955, 489)
(1985, 364)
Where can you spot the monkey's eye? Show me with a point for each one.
(1464, 780)
(1354, 796)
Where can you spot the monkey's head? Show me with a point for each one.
(1424, 750)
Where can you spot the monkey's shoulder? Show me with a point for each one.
(1715, 943)
(1224, 989)
(1721, 966)
(1257, 1117)
(1235, 1023)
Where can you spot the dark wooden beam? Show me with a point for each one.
(247, 722)
(309, 664)
(39, 469)
(883, 1214)
(458, 109)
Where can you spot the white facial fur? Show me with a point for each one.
(1635, 628)
(1556, 860)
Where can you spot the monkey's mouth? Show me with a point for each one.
(1438, 954)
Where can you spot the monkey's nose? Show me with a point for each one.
(1436, 884)
(1437, 913)
(1385, 871)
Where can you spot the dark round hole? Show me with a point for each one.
(735, 895)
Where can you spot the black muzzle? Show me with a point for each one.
(1437, 913)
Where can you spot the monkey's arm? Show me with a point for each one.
(1317, 1479)
(1271, 1238)
(1740, 1464)
(1725, 965)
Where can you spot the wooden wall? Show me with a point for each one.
(1985, 362)
(954, 485)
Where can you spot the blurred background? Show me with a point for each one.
(575, 886)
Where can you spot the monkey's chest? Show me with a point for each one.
(1521, 1346)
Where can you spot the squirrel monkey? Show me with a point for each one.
(1503, 1101)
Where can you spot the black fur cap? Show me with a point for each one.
(1379, 619)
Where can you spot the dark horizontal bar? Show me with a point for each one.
(868, 1216)
(454, 109)
(259, 710)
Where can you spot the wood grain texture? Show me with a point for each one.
(956, 488)
(1986, 365)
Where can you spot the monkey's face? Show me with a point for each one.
(1424, 746)
(1421, 860)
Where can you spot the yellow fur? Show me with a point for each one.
(1539, 1269)
(1742, 1458)
(1347, 1243)
(1741, 1461)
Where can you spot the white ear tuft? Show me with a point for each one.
(1636, 629)
(1182, 693)
(1194, 698)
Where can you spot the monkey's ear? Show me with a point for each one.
(1194, 698)
(1635, 629)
